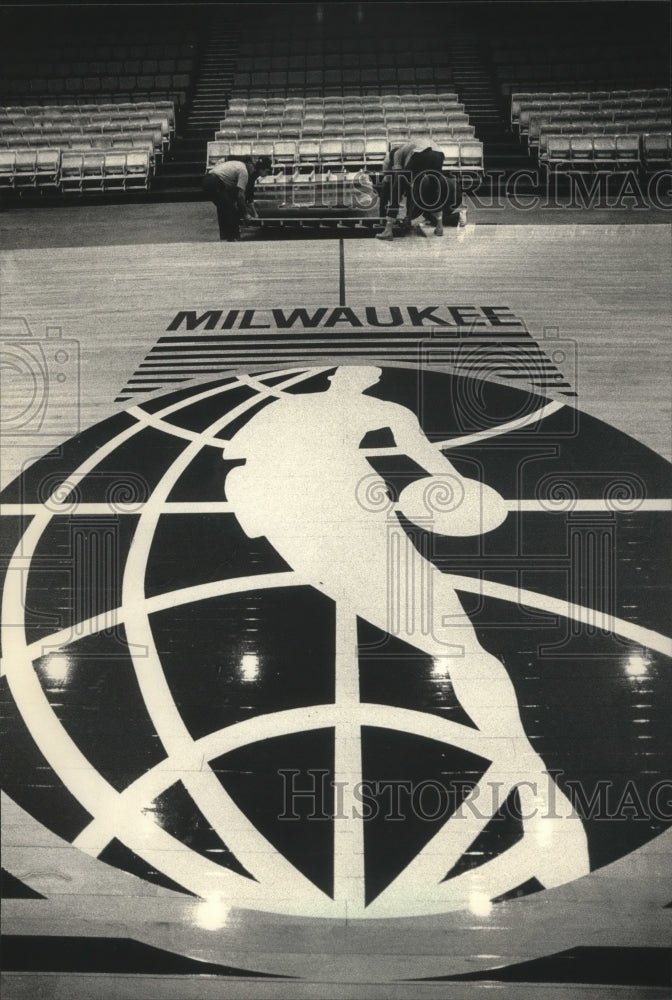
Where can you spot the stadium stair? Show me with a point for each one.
(476, 84)
(182, 173)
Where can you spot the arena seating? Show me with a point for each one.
(323, 147)
(598, 99)
(646, 152)
(550, 62)
(84, 148)
(607, 130)
(302, 61)
(159, 65)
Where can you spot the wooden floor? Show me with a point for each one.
(593, 298)
(598, 293)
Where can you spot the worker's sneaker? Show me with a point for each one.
(438, 230)
(462, 217)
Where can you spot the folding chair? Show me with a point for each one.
(354, 155)
(138, 169)
(451, 154)
(375, 151)
(308, 151)
(25, 168)
(47, 167)
(331, 155)
(114, 170)
(627, 150)
(93, 170)
(604, 150)
(656, 151)
(71, 171)
(312, 130)
(581, 150)
(241, 148)
(7, 168)
(217, 151)
(290, 131)
(471, 155)
(263, 147)
(284, 152)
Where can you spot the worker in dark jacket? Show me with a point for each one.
(415, 170)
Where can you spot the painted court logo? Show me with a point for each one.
(348, 641)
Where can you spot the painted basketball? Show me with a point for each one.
(453, 505)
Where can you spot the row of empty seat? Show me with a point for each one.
(51, 169)
(617, 152)
(349, 154)
(182, 47)
(60, 114)
(284, 39)
(564, 122)
(102, 67)
(330, 101)
(82, 100)
(87, 124)
(340, 80)
(337, 60)
(540, 100)
(131, 128)
(611, 130)
(656, 108)
(294, 118)
(587, 82)
(301, 116)
(558, 58)
(149, 141)
(397, 132)
(177, 83)
(92, 94)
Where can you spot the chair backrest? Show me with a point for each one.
(376, 149)
(217, 151)
(353, 149)
(263, 147)
(581, 147)
(71, 163)
(115, 163)
(604, 147)
(451, 153)
(284, 151)
(26, 160)
(627, 147)
(7, 160)
(93, 163)
(48, 160)
(331, 150)
(308, 149)
(656, 146)
(137, 162)
(241, 148)
(471, 154)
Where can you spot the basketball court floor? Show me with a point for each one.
(335, 627)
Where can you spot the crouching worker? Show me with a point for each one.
(229, 185)
(414, 170)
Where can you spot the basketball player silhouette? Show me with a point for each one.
(303, 486)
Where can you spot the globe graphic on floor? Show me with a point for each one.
(230, 699)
